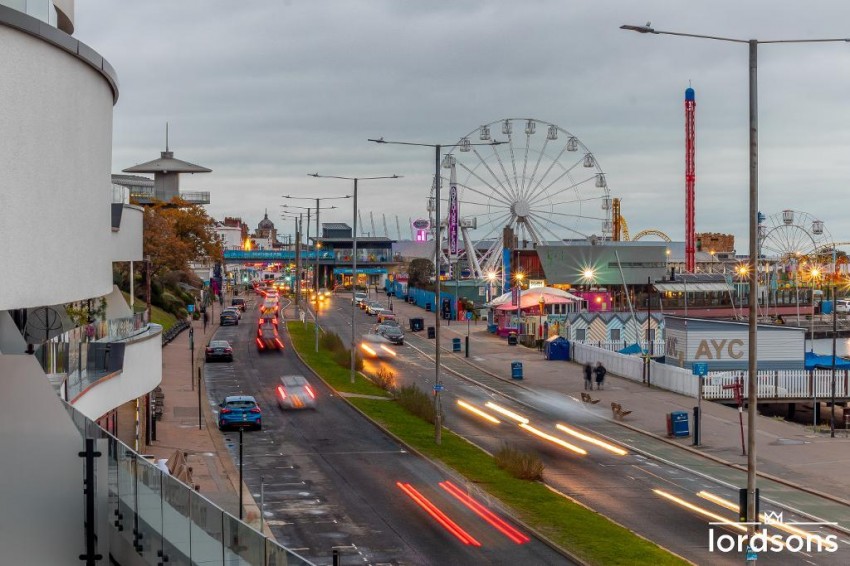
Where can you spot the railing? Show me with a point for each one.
(196, 197)
(86, 354)
(657, 348)
(779, 384)
(162, 520)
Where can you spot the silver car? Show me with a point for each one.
(294, 392)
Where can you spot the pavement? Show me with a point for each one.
(788, 455)
(214, 474)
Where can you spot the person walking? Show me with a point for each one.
(588, 376)
(206, 320)
(600, 372)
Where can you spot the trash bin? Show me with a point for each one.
(455, 344)
(492, 328)
(516, 370)
(512, 339)
(679, 424)
(428, 307)
(417, 324)
(557, 348)
(432, 333)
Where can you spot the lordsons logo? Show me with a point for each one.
(775, 535)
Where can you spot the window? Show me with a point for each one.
(615, 335)
(581, 334)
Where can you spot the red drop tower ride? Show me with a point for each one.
(690, 179)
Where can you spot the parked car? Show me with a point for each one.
(379, 328)
(294, 392)
(359, 298)
(219, 350)
(386, 315)
(842, 306)
(376, 346)
(268, 338)
(394, 334)
(239, 411)
(228, 317)
(238, 302)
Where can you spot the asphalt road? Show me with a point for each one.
(329, 476)
(624, 488)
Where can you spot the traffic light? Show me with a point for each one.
(742, 505)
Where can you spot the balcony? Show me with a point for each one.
(103, 365)
(146, 195)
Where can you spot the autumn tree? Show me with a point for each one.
(419, 273)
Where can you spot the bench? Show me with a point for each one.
(618, 411)
(586, 398)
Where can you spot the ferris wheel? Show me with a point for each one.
(541, 181)
(792, 236)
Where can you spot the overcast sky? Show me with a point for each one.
(265, 91)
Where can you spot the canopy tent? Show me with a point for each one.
(815, 361)
(530, 298)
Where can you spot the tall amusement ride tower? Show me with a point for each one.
(690, 178)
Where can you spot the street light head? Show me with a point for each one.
(379, 140)
(640, 29)
(313, 174)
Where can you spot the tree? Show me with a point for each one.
(419, 273)
(177, 233)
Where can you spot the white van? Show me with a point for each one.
(842, 306)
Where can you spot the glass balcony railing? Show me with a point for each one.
(166, 521)
(84, 355)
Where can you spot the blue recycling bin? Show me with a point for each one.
(680, 423)
(455, 344)
(557, 348)
(516, 370)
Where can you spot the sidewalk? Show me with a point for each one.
(789, 452)
(214, 474)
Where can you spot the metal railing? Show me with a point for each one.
(163, 520)
(656, 349)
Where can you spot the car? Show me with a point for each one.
(268, 338)
(376, 346)
(228, 317)
(294, 392)
(267, 319)
(269, 307)
(373, 308)
(239, 411)
(842, 306)
(379, 328)
(394, 334)
(386, 316)
(238, 302)
(219, 350)
(359, 298)
(235, 310)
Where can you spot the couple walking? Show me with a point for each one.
(589, 371)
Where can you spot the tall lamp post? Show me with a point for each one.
(353, 254)
(752, 391)
(438, 424)
(316, 249)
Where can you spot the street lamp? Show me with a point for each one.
(316, 248)
(353, 254)
(752, 391)
(518, 277)
(437, 249)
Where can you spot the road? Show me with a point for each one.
(329, 477)
(649, 495)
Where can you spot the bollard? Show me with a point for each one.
(696, 426)
(467, 347)
(336, 557)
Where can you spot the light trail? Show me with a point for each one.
(553, 439)
(478, 412)
(602, 444)
(508, 413)
(495, 521)
(438, 515)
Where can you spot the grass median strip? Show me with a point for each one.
(586, 533)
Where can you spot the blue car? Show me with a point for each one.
(239, 411)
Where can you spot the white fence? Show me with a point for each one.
(794, 384)
(772, 384)
(616, 345)
(664, 376)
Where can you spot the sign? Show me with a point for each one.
(453, 214)
(190, 308)
(751, 554)
(515, 296)
(700, 369)
(468, 315)
(438, 387)
(533, 283)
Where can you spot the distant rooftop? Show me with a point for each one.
(167, 164)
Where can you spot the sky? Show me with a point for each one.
(264, 92)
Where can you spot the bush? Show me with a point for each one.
(332, 342)
(521, 465)
(385, 379)
(417, 402)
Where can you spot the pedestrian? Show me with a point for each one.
(206, 320)
(600, 372)
(588, 376)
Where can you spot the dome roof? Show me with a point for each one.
(265, 223)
